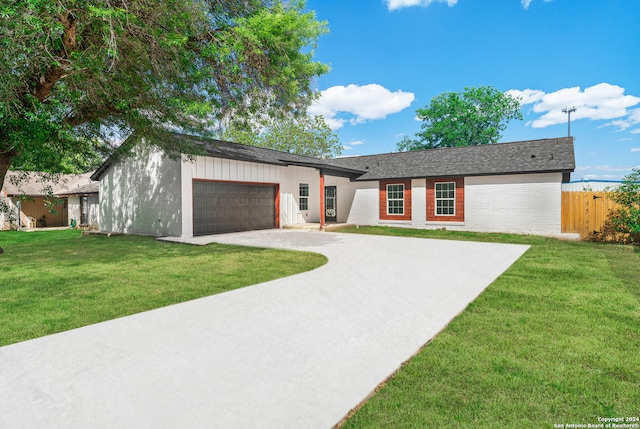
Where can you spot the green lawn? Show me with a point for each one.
(555, 340)
(58, 280)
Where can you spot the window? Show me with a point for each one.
(303, 196)
(395, 199)
(446, 199)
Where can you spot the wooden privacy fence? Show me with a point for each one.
(585, 212)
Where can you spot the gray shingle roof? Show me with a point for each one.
(533, 156)
(229, 150)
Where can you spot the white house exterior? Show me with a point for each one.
(508, 187)
(528, 203)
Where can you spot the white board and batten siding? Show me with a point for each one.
(288, 179)
(141, 195)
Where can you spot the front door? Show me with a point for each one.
(84, 210)
(330, 208)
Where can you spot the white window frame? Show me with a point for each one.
(401, 199)
(303, 200)
(447, 198)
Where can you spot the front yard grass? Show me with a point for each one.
(554, 341)
(58, 280)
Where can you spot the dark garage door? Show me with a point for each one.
(220, 207)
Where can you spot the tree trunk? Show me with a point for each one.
(5, 162)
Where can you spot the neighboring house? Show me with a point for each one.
(506, 187)
(586, 185)
(36, 201)
(82, 201)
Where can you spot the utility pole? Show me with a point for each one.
(568, 112)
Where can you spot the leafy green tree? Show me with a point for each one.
(77, 73)
(302, 135)
(626, 218)
(472, 117)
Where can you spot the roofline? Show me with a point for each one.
(325, 166)
(563, 171)
(313, 162)
(354, 174)
(517, 142)
(68, 194)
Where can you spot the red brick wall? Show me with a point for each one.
(431, 200)
(383, 200)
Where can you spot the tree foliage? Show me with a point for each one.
(625, 219)
(76, 74)
(471, 117)
(302, 135)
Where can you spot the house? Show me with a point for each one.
(507, 187)
(45, 200)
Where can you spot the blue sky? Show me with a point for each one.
(391, 57)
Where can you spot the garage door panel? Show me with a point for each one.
(220, 207)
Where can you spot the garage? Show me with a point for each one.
(220, 207)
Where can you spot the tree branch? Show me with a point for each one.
(56, 72)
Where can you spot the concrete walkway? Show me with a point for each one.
(298, 352)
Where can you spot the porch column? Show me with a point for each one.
(322, 222)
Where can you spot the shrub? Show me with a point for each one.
(626, 218)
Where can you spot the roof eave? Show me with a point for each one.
(436, 176)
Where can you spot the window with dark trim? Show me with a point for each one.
(445, 198)
(303, 196)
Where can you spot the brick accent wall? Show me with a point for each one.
(431, 200)
(383, 200)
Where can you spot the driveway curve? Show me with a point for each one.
(301, 351)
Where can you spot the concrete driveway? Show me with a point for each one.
(298, 352)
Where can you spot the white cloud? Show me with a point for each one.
(349, 146)
(528, 96)
(636, 131)
(399, 4)
(631, 120)
(635, 149)
(527, 3)
(333, 123)
(359, 104)
(598, 102)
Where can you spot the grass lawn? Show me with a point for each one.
(58, 280)
(554, 341)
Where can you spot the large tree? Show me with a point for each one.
(75, 73)
(303, 135)
(471, 117)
